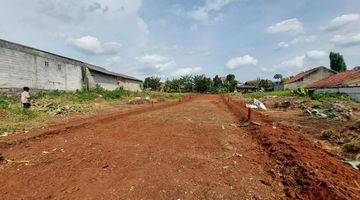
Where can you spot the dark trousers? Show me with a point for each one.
(26, 105)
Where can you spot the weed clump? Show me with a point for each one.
(4, 104)
(321, 96)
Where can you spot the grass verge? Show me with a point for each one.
(52, 106)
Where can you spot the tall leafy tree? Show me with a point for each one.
(186, 83)
(230, 83)
(152, 83)
(202, 84)
(278, 76)
(217, 82)
(337, 62)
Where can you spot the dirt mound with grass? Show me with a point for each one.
(307, 171)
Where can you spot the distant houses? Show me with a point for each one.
(247, 87)
(306, 78)
(320, 79)
(345, 82)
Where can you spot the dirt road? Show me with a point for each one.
(186, 150)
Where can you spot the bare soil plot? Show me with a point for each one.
(188, 150)
(185, 150)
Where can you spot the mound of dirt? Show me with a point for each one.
(2, 160)
(307, 172)
(347, 137)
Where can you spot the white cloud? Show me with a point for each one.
(92, 45)
(295, 62)
(342, 21)
(304, 39)
(316, 54)
(282, 45)
(194, 27)
(187, 71)
(346, 40)
(209, 12)
(241, 61)
(297, 40)
(159, 62)
(309, 59)
(265, 69)
(291, 26)
(113, 60)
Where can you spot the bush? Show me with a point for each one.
(329, 96)
(83, 95)
(115, 94)
(4, 104)
(277, 93)
(51, 94)
(301, 92)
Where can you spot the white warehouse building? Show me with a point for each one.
(40, 70)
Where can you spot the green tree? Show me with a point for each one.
(278, 76)
(186, 83)
(152, 83)
(217, 82)
(337, 62)
(267, 85)
(202, 84)
(230, 83)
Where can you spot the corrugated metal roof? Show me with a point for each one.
(93, 67)
(341, 79)
(305, 73)
(105, 71)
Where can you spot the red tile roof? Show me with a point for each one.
(339, 79)
(303, 74)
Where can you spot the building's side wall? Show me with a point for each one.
(293, 85)
(310, 79)
(19, 69)
(131, 85)
(353, 92)
(104, 80)
(24, 66)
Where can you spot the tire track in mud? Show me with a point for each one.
(307, 172)
(38, 135)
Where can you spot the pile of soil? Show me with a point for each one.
(307, 171)
(2, 160)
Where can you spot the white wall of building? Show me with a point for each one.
(310, 79)
(19, 69)
(25, 66)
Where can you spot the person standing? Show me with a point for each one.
(25, 98)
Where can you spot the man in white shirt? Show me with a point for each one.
(25, 98)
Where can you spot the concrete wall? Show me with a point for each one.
(353, 92)
(130, 85)
(25, 66)
(310, 79)
(19, 69)
(104, 80)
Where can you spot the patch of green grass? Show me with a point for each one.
(51, 103)
(115, 94)
(83, 95)
(258, 95)
(327, 96)
(4, 104)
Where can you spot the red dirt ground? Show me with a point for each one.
(185, 150)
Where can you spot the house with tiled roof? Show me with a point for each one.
(345, 82)
(306, 78)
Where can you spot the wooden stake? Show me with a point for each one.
(249, 114)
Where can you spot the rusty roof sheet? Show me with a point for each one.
(340, 79)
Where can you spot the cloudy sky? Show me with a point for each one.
(169, 38)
